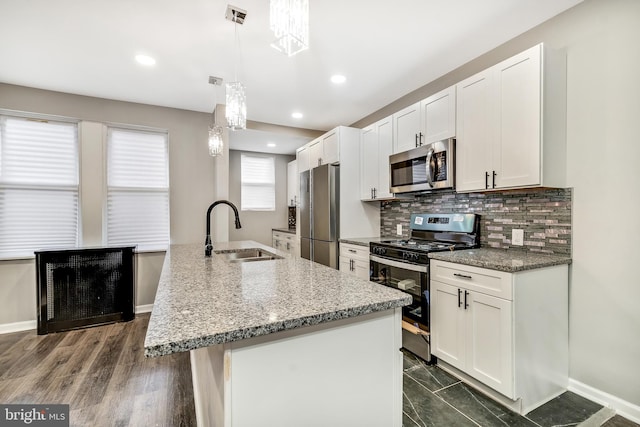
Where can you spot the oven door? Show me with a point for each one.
(407, 277)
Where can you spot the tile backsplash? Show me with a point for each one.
(543, 214)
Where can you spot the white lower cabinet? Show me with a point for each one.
(354, 259)
(286, 242)
(508, 331)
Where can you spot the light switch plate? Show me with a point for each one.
(517, 237)
(399, 229)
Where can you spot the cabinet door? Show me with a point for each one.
(292, 183)
(385, 149)
(368, 161)
(361, 269)
(406, 128)
(516, 150)
(345, 265)
(447, 324)
(302, 159)
(315, 154)
(331, 147)
(438, 114)
(489, 341)
(474, 130)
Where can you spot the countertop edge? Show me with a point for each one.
(501, 260)
(267, 329)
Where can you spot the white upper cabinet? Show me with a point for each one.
(406, 128)
(376, 144)
(302, 159)
(438, 116)
(511, 124)
(432, 119)
(325, 149)
(474, 133)
(316, 153)
(292, 183)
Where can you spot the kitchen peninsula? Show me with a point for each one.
(284, 342)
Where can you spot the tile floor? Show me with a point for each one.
(432, 397)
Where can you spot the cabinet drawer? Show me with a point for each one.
(354, 251)
(489, 282)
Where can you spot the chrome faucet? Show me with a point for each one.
(208, 247)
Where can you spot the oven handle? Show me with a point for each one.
(398, 264)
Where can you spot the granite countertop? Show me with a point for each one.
(285, 230)
(502, 260)
(364, 241)
(206, 301)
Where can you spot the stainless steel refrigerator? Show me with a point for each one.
(319, 214)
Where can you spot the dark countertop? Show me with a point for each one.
(364, 241)
(285, 230)
(510, 261)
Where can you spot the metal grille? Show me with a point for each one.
(78, 288)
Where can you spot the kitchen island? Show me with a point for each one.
(284, 342)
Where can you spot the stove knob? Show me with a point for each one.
(383, 251)
(415, 257)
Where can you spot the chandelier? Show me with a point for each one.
(236, 101)
(215, 132)
(289, 21)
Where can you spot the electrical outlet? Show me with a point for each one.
(517, 237)
(399, 229)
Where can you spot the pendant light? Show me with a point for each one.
(236, 101)
(289, 21)
(216, 144)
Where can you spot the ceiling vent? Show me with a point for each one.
(235, 14)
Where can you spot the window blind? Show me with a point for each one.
(258, 188)
(137, 189)
(38, 185)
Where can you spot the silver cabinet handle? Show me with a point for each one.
(353, 251)
(464, 276)
(288, 246)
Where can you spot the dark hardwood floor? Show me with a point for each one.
(101, 372)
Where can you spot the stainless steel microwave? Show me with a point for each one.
(428, 167)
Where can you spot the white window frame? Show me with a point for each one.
(252, 205)
(49, 236)
(159, 243)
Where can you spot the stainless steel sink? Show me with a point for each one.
(247, 255)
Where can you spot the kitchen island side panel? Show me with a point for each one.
(346, 372)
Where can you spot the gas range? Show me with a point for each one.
(404, 265)
(431, 233)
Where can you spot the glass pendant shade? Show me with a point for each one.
(236, 109)
(289, 21)
(215, 140)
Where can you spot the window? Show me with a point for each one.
(137, 189)
(38, 185)
(258, 192)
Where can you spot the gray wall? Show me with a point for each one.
(603, 123)
(191, 172)
(257, 225)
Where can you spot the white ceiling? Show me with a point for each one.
(385, 48)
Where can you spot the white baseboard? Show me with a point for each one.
(7, 328)
(622, 407)
(146, 308)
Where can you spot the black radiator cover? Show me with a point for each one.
(83, 287)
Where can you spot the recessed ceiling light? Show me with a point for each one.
(271, 144)
(296, 115)
(337, 79)
(145, 60)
